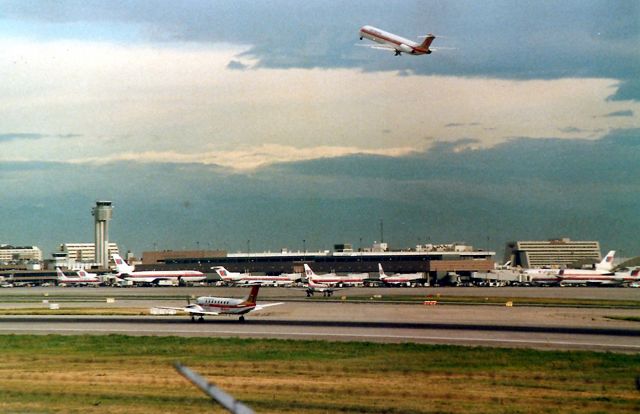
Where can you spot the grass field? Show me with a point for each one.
(123, 374)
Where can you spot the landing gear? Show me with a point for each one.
(309, 293)
(398, 53)
(241, 319)
(361, 37)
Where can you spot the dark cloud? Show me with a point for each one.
(522, 189)
(571, 130)
(457, 124)
(32, 136)
(496, 38)
(20, 136)
(619, 113)
(629, 90)
(237, 65)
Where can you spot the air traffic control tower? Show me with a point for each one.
(102, 212)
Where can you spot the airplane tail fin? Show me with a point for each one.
(427, 41)
(308, 272)
(121, 265)
(381, 271)
(82, 273)
(253, 296)
(221, 271)
(607, 262)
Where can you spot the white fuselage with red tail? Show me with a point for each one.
(126, 272)
(331, 279)
(399, 279)
(211, 305)
(82, 279)
(602, 274)
(247, 279)
(396, 43)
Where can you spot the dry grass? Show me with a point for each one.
(117, 374)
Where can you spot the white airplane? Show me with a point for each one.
(313, 287)
(399, 279)
(331, 279)
(246, 279)
(602, 274)
(126, 272)
(214, 306)
(83, 279)
(542, 276)
(390, 41)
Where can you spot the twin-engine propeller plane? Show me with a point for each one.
(214, 306)
(392, 42)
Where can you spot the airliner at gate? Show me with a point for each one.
(126, 272)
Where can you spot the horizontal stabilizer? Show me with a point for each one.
(266, 305)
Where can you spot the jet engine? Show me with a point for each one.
(404, 48)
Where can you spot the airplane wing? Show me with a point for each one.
(266, 305)
(380, 47)
(192, 309)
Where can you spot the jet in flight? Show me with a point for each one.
(399, 279)
(214, 306)
(83, 279)
(154, 277)
(392, 42)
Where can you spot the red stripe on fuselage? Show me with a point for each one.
(394, 41)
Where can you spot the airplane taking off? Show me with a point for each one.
(214, 306)
(246, 279)
(390, 41)
(83, 279)
(126, 272)
(397, 279)
(331, 279)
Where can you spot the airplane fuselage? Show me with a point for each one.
(227, 306)
(259, 280)
(400, 279)
(399, 43)
(153, 276)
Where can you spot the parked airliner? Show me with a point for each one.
(543, 276)
(392, 42)
(210, 305)
(126, 272)
(83, 279)
(399, 279)
(246, 279)
(331, 279)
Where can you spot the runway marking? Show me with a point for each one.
(335, 335)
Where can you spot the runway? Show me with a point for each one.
(543, 328)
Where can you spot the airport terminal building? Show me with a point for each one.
(438, 262)
(555, 253)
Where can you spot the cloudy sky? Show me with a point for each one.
(211, 123)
